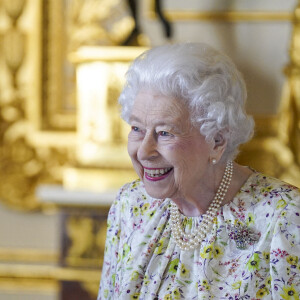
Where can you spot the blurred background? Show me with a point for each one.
(62, 143)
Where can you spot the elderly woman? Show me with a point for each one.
(196, 225)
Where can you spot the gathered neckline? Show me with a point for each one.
(234, 199)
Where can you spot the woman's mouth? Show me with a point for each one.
(157, 174)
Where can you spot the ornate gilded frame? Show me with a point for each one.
(37, 127)
(37, 94)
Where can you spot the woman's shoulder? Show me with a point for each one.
(131, 190)
(262, 180)
(271, 189)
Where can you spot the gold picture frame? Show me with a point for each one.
(37, 92)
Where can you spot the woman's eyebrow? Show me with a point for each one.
(134, 118)
(170, 125)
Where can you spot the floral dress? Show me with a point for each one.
(142, 260)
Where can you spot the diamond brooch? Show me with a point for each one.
(242, 235)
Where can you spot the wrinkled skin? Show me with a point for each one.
(163, 138)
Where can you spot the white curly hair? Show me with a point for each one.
(205, 79)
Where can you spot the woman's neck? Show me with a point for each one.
(197, 204)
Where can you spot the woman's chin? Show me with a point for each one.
(157, 192)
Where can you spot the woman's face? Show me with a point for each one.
(168, 153)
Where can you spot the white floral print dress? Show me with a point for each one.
(142, 260)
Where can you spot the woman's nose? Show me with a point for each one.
(148, 148)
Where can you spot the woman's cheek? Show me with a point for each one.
(132, 151)
(131, 148)
(138, 169)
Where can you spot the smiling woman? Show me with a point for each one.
(163, 138)
(196, 220)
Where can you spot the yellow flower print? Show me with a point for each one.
(108, 224)
(136, 210)
(135, 296)
(151, 214)
(250, 219)
(253, 263)
(135, 275)
(266, 256)
(136, 183)
(269, 281)
(113, 278)
(236, 285)
(204, 282)
(184, 272)
(262, 293)
(289, 293)
(281, 204)
(168, 297)
(292, 260)
(160, 246)
(145, 207)
(217, 251)
(190, 223)
(266, 189)
(187, 222)
(174, 266)
(237, 223)
(114, 240)
(175, 294)
(146, 280)
(126, 250)
(207, 251)
(105, 293)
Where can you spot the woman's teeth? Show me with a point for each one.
(157, 172)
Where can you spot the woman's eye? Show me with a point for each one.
(134, 128)
(164, 133)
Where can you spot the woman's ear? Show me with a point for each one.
(219, 146)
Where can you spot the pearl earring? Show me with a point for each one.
(213, 161)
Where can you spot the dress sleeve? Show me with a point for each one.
(285, 250)
(109, 269)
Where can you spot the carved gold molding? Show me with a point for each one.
(29, 155)
(225, 16)
(41, 278)
(267, 152)
(37, 105)
(68, 25)
(28, 255)
(290, 108)
(21, 285)
(48, 272)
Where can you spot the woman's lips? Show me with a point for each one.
(155, 174)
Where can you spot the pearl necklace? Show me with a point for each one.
(189, 241)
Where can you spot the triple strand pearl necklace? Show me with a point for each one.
(190, 241)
